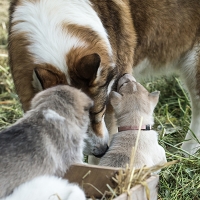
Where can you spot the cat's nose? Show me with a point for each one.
(101, 151)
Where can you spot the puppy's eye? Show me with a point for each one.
(87, 108)
(125, 83)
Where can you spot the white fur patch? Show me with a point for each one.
(145, 70)
(188, 66)
(105, 130)
(47, 188)
(110, 86)
(185, 66)
(52, 115)
(98, 76)
(42, 22)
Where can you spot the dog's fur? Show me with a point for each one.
(47, 140)
(131, 103)
(47, 188)
(90, 44)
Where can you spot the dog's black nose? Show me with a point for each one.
(101, 154)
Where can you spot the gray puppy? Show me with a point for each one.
(47, 140)
(131, 102)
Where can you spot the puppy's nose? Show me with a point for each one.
(125, 79)
(102, 152)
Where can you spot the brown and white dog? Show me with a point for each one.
(89, 44)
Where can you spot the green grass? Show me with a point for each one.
(172, 118)
(10, 109)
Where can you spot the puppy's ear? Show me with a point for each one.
(154, 97)
(155, 94)
(115, 98)
(44, 78)
(87, 67)
(88, 103)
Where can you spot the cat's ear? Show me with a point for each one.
(115, 98)
(154, 97)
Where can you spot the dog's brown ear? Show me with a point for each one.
(115, 98)
(87, 67)
(44, 78)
